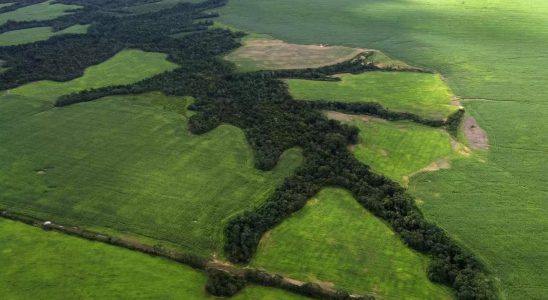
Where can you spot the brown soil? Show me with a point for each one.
(456, 102)
(476, 136)
(342, 117)
(276, 54)
(441, 164)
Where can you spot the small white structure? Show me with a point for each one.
(47, 223)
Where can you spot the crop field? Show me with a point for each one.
(125, 67)
(121, 161)
(420, 93)
(37, 12)
(23, 36)
(74, 170)
(155, 6)
(332, 237)
(401, 149)
(493, 56)
(63, 265)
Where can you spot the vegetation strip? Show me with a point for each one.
(247, 274)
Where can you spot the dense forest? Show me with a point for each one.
(259, 103)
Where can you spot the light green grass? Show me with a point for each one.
(420, 93)
(400, 149)
(126, 67)
(156, 6)
(37, 12)
(490, 50)
(38, 264)
(334, 240)
(23, 36)
(130, 164)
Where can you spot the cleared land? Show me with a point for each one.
(38, 12)
(420, 93)
(333, 240)
(125, 67)
(23, 36)
(492, 52)
(271, 54)
(63, 266)
(127, 163)
(400, 149)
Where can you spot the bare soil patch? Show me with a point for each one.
(276, 54)
(342, 117)
(476, 136)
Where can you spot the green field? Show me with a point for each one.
(128, 163)
(492, 53)
(156, 6)
(37, 12)
(335, 241)
(39, 264)
(420, 93)
(125, 67)
(23, 36)
(400, 149)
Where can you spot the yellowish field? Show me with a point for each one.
(271, 54)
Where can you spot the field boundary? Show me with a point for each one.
(250, 275)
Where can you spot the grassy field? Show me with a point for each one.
(127, 163)
(39, 264)
(421, 93)
(37, 12)
(335, 241)
(400, 149)
(493, 54)
(155, 6)
(125, 67)
(23, 36)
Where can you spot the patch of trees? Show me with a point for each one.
(453, 122)
(373, 109)
(223, 284)
(260, 104)
(308, 289)
(63, 58)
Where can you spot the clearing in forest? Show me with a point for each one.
(38, 12)
(30, 35)
(63, 265)
(335, 241)
(400, 149)
(126, 67)
(259, 53)
(424, 94)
